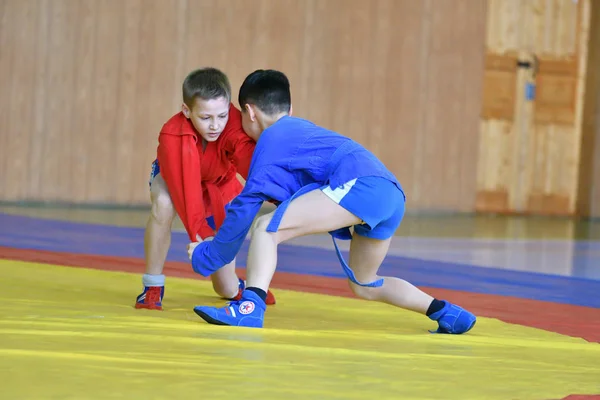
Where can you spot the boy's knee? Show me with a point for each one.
(366, 293)
(226, 290)
(282, 234)
(162, 208)
(261, 223)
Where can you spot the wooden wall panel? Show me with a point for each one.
(91, 82)
(16, 90)
(82, 159)
(60, 110)
(447, 144)
(39, 102)
(127, 121)
(400, 124)
(5, 81)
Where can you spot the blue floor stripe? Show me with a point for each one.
(79, 238)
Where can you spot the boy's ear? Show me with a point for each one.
(251, 113)
(186, 110)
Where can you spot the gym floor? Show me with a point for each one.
(68, 328)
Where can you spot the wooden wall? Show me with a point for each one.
(430, 86)
(86, 85)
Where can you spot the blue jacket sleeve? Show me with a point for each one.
(209, 256)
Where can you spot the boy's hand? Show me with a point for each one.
(190, 249)
(192, 246)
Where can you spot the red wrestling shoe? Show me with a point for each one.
(151, 298)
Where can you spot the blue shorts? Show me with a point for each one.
(155, 170)
(378, 202)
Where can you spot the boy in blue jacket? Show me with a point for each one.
(322, 182)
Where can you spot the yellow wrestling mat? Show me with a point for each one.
(72, 333)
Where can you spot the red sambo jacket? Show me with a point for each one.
(201, 182)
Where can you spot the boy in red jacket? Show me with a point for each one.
(200, 151)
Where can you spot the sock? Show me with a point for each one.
(153, 280)
(261, 293)
(435, 306)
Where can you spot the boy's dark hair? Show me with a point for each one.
(268, 90)
(206, 83)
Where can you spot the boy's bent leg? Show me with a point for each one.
(226, 282)
(157, 240)
(228, 285)
(311, 213)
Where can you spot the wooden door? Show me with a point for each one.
(532, 102)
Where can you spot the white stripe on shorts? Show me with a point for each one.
(338, 194)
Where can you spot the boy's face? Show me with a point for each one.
(250, 122)
(209, 117)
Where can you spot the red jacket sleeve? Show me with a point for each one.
(238, 145)
(180, 168)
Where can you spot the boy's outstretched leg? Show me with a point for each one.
(367, 254)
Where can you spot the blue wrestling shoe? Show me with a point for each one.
(453, 319)
(248, 311)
